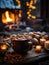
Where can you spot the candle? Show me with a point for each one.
(38, 48)
(42, 41)
(3, 47)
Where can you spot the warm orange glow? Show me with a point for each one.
(10, 26)
(17, 0)
(20, 15)
(30, 6)
(28, 12)
(3, 47)
(42, 41)
(7, 17)
(19, 3)
(29, 15)
(38, 48)
(46, 44)
(35, 1)
(27, 3)
(16, 19)
(20, 11)
(33, 7)
(31, 2)
(34, 17)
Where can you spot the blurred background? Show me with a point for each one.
(24, 13)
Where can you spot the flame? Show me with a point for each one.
(34, 17)
(8, 17)
(27, 3)
(33, 7)
(4, 47)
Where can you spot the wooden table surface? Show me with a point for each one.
(17, 58)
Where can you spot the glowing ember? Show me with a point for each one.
(10, 26)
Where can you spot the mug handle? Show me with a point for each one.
(29, 46)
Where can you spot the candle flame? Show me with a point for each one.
(3, 47)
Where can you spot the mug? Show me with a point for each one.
(21, 46)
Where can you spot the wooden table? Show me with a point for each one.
(30, 57)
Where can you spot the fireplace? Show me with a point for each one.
(10, 17)
(10, 14)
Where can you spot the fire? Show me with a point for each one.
(8, 17)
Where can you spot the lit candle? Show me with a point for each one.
(38, 48)
(42, 41)
(3, 47)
